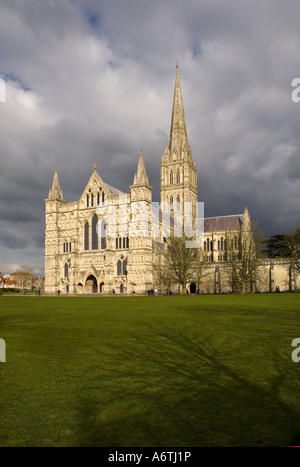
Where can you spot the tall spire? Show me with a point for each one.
(55, 191)
(178, 169)
(141, 177)
(178, 133)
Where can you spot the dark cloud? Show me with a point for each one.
(91, 81)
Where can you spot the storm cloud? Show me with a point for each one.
(92, 81)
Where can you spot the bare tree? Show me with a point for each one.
(161, 271)
(199, 267)
(179, 262)
(242, 250)
(23, 279)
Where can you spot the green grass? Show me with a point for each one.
(150, 371)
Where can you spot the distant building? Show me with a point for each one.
(9, 283)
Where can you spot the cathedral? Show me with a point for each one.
(105, 242)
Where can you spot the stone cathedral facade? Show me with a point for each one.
(101, 244)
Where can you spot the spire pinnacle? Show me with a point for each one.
(178, 133)
(55, 191)
(141, 177)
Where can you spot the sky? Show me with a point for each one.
(92, 81)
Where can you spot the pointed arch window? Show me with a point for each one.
(103, 234)
(66, 270)
(178, 177)
(92, 200)
(87, 200)
(86, 236)
(222, 243)
(171, 178)
(103, 197)
(178, 203)
(122, 267)
(171, 203)
(95, 232)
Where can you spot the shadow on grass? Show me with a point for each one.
(165, 389)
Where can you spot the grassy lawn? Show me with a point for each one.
(150, 371)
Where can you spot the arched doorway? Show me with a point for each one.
(193, 287)
(67, 288)
(121, 288)
(79, 288)
(91, 285)
(101, 287)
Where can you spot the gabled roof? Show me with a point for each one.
(223, 223)
(114, 191)
(96, 179)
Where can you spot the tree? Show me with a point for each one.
(198, 267)
(243, 252)
(161, 271)
(277, 246)
(179, 261)
(293, 247)
(23, 279)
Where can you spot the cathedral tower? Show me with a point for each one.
(178, 192)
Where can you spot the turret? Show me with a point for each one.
(141, 190)
(55, 192)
